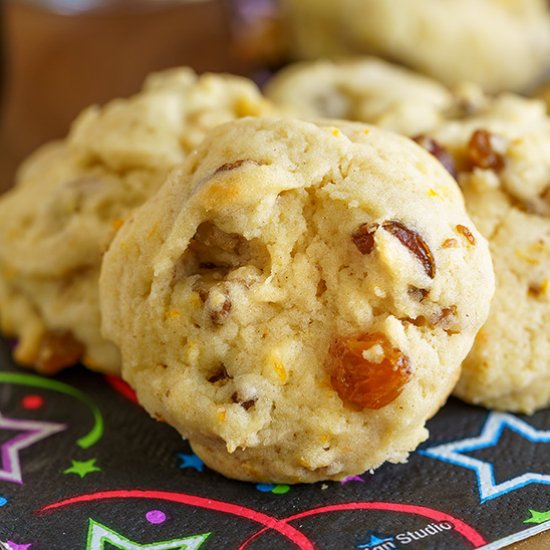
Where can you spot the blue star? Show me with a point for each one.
(375, 540)
(190, 461)
(489, 437)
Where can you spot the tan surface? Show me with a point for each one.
(538, 542)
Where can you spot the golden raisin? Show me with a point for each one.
(481, 154)
(58, 350)
(463, 230)
(363, 382)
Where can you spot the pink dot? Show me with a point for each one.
(32, 402)
(155, 517)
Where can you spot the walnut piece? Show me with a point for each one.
(363, 238)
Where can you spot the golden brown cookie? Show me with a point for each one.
(287, 301)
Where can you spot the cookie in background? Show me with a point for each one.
(498, 44)
(365, 89)
(72, 196)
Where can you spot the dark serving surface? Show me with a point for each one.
(84, 467)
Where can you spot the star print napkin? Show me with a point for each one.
(83, 467)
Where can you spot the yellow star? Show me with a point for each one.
(82, 468)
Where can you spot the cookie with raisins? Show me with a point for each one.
(72, 196)
(285, 300)
(498, 149)
(502, 154)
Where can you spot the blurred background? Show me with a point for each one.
(59, 56)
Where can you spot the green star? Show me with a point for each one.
(99, 535)
(82, 468)
(538, 517)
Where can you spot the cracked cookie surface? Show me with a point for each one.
(286, 300)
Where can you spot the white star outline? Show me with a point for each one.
(99, 535)
(32, 431)
(489, 437)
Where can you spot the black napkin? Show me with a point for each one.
(84, 467)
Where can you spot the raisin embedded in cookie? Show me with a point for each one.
(286, 300)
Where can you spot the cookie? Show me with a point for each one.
(72, 196)
(363, 89)
(498, 150)
(499, 44)
(502, 160)
(287, 302)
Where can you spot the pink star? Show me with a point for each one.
(31, 432)
(14, 546)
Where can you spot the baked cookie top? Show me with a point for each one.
(72, 196)
(499, 44)
(363, 89)
(502, 157)
(289, 299)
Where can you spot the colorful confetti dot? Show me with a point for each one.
(32, 402)
(155, 517)
(280, 489)
(3, 501)
(275, 489)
